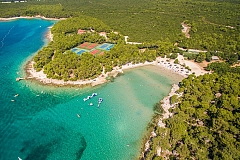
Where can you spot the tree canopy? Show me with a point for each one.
(205, 124)
(214, 24)
(59, 62)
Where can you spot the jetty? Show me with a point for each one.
(19, 78)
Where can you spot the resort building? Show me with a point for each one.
(215, 58)
(80, 31)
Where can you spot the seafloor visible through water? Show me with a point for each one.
(45, 122)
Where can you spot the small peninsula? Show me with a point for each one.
(95, 62)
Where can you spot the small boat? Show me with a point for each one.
(16, 95)
(94, 94)
(19, 158)
(78, 115)
(100, 100)
(12, 100)
(91, 104)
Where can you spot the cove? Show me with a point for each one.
(42, 122)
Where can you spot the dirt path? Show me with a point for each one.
(204, 20)
(185, 29)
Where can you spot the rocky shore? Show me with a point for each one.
(166, 105)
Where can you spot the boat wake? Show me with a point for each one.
(5, 37)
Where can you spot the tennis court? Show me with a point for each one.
(85, 44)
(91, 46)
(74, 49)
(95, 52)
(81, 51)
(109, 47)
(105, 46)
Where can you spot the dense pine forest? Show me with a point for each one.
(59, 62)
(206, 119)
(214, 24)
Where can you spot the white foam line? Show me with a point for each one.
(5, 37)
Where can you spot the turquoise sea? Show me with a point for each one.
(41, 123)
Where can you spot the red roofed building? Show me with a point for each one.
(80, 31)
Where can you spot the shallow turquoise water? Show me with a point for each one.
(42, 122)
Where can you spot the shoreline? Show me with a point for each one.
(31, 17)
(49, 35)
(162, 62)
(101, 79)
(166, 105)
(31, 73)
(42, 78)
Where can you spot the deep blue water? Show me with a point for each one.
(42, 123)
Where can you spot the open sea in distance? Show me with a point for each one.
(41, 123)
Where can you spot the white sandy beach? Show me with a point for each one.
(49, 35)
(30, 17)
(164, 62)
(42, 77)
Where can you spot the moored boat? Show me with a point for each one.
(100, 100)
